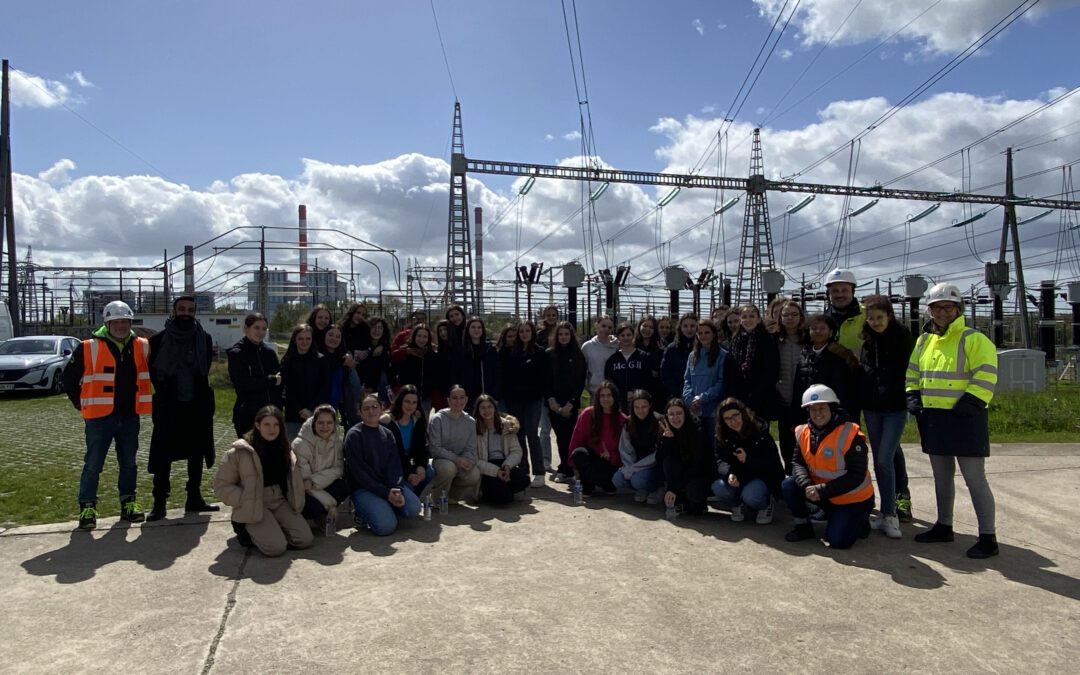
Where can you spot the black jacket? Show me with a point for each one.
(673, 367)
(251, 369)
(524, 376)
(418, 454)
(755, 377)
(884, 362)
(306, 380)
(762, 460)
(628, 374)
(689, 467)
(567, 379)
(176, 437)
(421, 372)
(477, 369)
(828, 368)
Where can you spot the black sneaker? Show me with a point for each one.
(88, 517)
(986, 547)
(903, 507)
(800, 532)
(935, 535)
(131, 511)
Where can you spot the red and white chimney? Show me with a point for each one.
(478, 223)
(303, 242)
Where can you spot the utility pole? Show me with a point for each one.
(1008, 229)
(7, 201)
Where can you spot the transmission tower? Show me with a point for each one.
(459, 265)
(756, 250)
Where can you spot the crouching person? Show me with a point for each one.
(375, 474)
(452, 444)
(318, 450)
(830, 469)
(498, 454)
(260, 479)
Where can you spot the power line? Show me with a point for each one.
(442, 46)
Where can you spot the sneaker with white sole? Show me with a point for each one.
(876, 521)
(890, 525)
(538, 481)
(737, 513)
(764, 516)
(641, 495)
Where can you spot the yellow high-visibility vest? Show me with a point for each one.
(942, 368)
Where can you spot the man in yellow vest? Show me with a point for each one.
(108, 381)
(830, 469)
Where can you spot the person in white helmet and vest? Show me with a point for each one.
(830, 469)
(108, 381)
(950, 381)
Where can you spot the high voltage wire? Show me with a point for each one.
(953, 63)
(442, 46)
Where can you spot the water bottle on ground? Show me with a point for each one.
(579, 494)
(331, 522)
(444, 504)
(427, 507)
(671, 513)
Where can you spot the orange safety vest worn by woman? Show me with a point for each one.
(96, 395)
(827, 464)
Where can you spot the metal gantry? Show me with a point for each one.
(756, 249)
(459, 262)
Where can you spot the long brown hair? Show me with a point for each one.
(496, 422)
(596, 430)
(726, 434)
(714, 348)
(280, 448)
(635, 427)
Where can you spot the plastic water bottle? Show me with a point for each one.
(579, 495)
(444, 504)
(331, 523)
(671, 513)
(427, 507)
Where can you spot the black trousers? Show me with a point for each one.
(593, 470)
(163, 481)
(313, 508)
(493, 490)
(564, 429)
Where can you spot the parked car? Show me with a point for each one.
(35, 363)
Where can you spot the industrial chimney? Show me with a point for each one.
(478, 222)
(303, 242)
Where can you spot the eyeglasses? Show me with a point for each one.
(732, 417)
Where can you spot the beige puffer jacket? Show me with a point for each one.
(239, 483)
(321, 461)
(510, 446)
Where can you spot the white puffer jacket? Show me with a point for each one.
(321, 461)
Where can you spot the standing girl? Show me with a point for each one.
(253, 370)
(707, 372)
(304, 377)
(567, 380)
(756, 364)
(525, 373)
(789, 337)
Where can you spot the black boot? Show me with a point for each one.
(242, 536)
(937, 534)
(196, 504)
(986, 547)
(158, 511)
(800, 532)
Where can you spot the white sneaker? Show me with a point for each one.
(538, 481)
(562, 478)
(764, 516)
(891, 526)
(641, 495)
(737, 514)
(876, 521)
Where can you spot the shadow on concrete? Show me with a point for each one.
(156, 548)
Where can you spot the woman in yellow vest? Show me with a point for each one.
(950, 381)
(830, 469)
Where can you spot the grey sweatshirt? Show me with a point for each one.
(450, 438)
(596, 355)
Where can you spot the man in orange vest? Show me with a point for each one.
(829, 469)
(108, 381)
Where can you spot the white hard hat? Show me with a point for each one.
(944, 292)
(840, 276)
(818, 393)
(117, 309)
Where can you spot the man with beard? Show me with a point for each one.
(180, 357)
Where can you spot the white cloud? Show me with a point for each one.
(948, 27)
(572, 136)
(549, 137)
(698, 26)
(721, 26)
(401, 203)
(78, 78)
(31, 91)
(708, 109)
(57, 174)
(785, 54)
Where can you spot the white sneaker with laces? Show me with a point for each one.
(891, 527)
(737, 513)
(764, 516)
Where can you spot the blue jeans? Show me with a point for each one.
(847, 522)
(643, 479)
(885, 429)
(379, 514)
(755, 494)
(417, 489)
(528, 415)
(100, 433)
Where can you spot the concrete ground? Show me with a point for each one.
(552, 587)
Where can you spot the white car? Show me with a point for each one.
(35, 363)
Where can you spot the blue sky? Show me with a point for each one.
(206, 92)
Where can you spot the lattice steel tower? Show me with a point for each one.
(756, 250)
(459, 264)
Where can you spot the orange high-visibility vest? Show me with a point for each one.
(99, 377)
(827, 464)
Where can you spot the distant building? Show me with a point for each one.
(144, 300)
(317, 286)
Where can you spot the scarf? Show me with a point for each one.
(181, 338)
(744, 346)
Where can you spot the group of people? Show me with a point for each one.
(680, 413)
